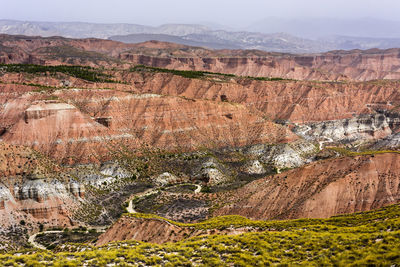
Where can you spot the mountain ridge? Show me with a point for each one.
(199, 35)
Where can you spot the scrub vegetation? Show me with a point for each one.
(361, 239)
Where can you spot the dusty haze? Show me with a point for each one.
(223, 13)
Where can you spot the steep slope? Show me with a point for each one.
(297, 101)
(356, 65)
(158, 231)
(97, 120)
(166, 121)
(321, 189)
(57, 129)
(337, 65)
(34, 191)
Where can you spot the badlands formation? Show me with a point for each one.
(96, 135)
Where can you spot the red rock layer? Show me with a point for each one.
(321, 189)
(155, 231)
(297, 101)
(28, 191)
(354, 65)
(336, 65)
(57, 129)
(22, 161)
(96, 120)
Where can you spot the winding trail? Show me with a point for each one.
(306, 129)
(130, 209)
(149, 192)
(32, 239)
(198, 189)
(321, 143)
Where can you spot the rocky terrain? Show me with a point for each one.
(321, 189)
(34, 192)
(157, 231)
(358, 65)
(157, 142)
(299, 36)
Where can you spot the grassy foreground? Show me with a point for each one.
(362, 239)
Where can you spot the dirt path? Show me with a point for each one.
(198, 189)
(130, 209)
(32, 239)
(321, 143)
(149, 192)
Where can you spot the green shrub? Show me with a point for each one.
(81, 72)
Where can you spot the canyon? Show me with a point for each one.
(89, 127)
(355, 65)
(321, 189)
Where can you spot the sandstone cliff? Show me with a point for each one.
(34, 191)
(297, 101)
(336, 65)
(321, 189)
(96, 121)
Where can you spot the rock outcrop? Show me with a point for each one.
(69, 133)
(283, 156)
(358, 129)
(56, 128)
(212, 172)
(165, 178)
(336, 65)
(34, 191)
(255, 167)
(321, 189)
(157, 231)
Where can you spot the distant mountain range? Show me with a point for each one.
(323, 27)
(203, 36)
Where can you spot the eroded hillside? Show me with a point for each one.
(92, 129)
(356, 65)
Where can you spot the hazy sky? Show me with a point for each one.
(236, 13)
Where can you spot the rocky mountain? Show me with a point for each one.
(312, 27)
(359, 65)
(277, 42)
(349, 42)
(282, 39)
(321, 189)
(95, 135)
(200, 41)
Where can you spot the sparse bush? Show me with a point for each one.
(82, 72)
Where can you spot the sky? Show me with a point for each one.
(233, 13)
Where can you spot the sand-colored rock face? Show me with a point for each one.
(321, 189)
(55, 126)
(156, 231)
(336, 65)
(172, 112)
(29, 191)
(354, 65)
(297, 101)
(98, 117)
